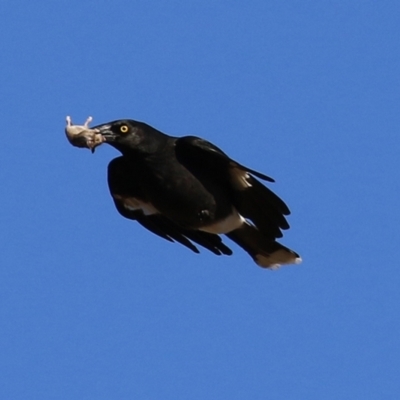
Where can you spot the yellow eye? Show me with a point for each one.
(124, 128)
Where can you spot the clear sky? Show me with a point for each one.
(92, 306)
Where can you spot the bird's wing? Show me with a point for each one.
(192, 150)
(126, 194)
(251, 198)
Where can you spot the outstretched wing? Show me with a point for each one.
(251, 198)
(132, 204)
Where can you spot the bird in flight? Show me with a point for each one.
(187, 190)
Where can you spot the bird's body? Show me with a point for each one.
(187, 190)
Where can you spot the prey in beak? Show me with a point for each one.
(83, 136)
(106, 132)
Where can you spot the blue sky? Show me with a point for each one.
(92, 306)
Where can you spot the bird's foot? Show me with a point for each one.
(82, 135)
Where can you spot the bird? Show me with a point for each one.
(187, 190)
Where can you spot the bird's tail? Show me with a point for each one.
(266, 253)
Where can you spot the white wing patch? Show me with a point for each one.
(240, 178)
(134, 204)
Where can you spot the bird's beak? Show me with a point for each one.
(105, 131)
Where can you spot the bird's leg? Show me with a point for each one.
(82, 135)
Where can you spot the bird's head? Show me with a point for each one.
(128, 135)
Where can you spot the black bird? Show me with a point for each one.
(187, 190)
